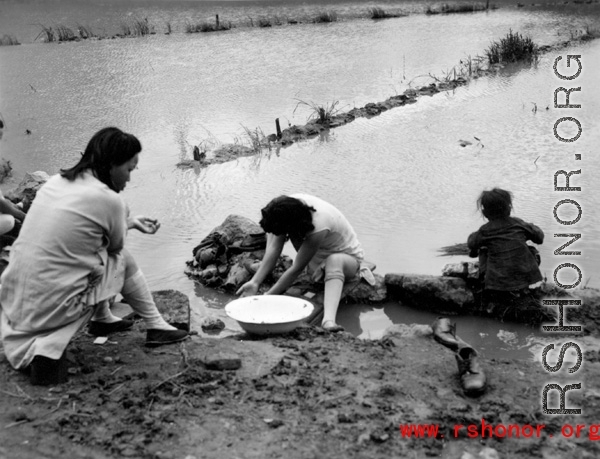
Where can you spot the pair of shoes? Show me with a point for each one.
(331, 326)
(155, 337)
(472, 377)
(44, 371)
(104, 329)
(444, 332)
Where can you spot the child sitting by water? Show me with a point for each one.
(506, 262)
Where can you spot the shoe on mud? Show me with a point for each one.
(44, 371)
(104, 329)
(472, 377)
(444, 332)
(155, 337)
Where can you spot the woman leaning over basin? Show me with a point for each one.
(69, 261)
(326, 244)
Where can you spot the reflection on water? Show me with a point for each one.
(403, 179)
(491, 338)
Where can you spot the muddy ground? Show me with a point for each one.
(308, 394)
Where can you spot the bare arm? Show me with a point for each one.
(273, 251)
(7, 207)
(307, 251)
(143, 224)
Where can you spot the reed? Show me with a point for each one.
(137, 28)
(325, 17)
(256, 139)
(264, 22)
(512, 48)
(64, 33)
(142, 27)
(85, 32)
(446, 8)
(206, 26)
(8, 40)
(377, 13)
(455, 249)
(47, 34)
(322, 114)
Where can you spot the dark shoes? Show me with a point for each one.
(44, 371)
(156, 337)
(444, 332)
(105, 329)
(472, 377)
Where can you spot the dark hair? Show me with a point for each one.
(287, 216)
(108, 147)
(494, 204)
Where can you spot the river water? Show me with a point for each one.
(402, 178)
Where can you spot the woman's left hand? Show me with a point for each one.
(144, 224)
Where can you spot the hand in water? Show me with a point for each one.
(144, 224)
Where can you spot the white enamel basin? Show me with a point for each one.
(269, 314)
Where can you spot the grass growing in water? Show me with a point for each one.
(264, 22)
(8, 40)
(137, 28)
(61, 33)
(512, 48)
(379, 13)
(322, 114)
(257, 139)
(85, 32)
(64, 33)
(206, 26)
(329, 16)
(47, 34)
(457, 8)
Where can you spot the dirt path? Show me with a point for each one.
(305, 395)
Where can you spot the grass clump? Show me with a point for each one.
(256, 139)
(379, 13)
(206, 26)
(446, 8)
(47, 34)
(264, 22)
(64, 33)
(512, 48)
(327, 16)
(8, 40)
(322, 114)
(137, 28)
(85, 32)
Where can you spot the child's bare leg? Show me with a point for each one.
(338, 268)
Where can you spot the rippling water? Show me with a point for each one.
(402, 178)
